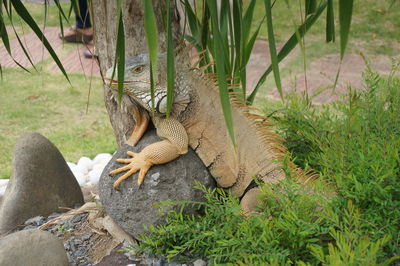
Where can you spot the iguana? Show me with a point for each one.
(197, 121)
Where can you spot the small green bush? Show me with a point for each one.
(279, 234)
(354, 145)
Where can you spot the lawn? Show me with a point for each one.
(48, 104)
(72, 116)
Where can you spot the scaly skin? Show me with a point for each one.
(197, 120)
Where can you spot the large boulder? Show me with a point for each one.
(41, 183)
(132, 207)
(32, 247)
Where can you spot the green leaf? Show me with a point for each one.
(224, 24)
(288, 46)
(150, 27)
(24, 14)
(231, 42)
(170, 62)
(205, 40)
(311, 6)
(60, 10)
(272, 47)
(250, 44)
(245, 44)
(221, 72)
(7, 44)
(120, 54)
(345, 14)
(61, 25)
(4, 34)
(193, 41)
(45, 13)
(72, 7)
(330, 23)
(237, 29)
(205, 32)
(247, 20)
(24, 50)
(192, 20)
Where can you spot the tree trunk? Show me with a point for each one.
(105, 21)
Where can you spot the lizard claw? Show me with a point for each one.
(136, 163)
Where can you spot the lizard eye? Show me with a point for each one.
(138, 69)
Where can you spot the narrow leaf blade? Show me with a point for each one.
(288, 46)
(60, 10)
(192, 19)
(150, 27)
(120, 54)
(330, 23)
(221, 72)
(4, 35)
(170, 62)
(247, 20)
(311, 6)
(345, 14)
(272, 47)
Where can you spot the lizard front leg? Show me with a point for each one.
(175, 143)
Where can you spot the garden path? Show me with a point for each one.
(320, 72)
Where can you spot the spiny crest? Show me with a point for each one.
(263, 125)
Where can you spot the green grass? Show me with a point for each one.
(47, 104)
(374, 25)
(37, 11)
(354, 146)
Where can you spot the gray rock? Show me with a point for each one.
(41, 183)
(132, 207)
(32, 247)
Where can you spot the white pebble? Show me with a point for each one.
(85, 162)
(80, 169)
(81, 178)
(4, 182)
(94, 176)
(99, 167)
(3, 185)
(102, 158)
(72, 166)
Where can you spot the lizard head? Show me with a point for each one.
(137, 84)
(136, 76)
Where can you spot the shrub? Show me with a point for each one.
(354, 145)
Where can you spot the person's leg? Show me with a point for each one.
(83, 30)
(83, 16)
